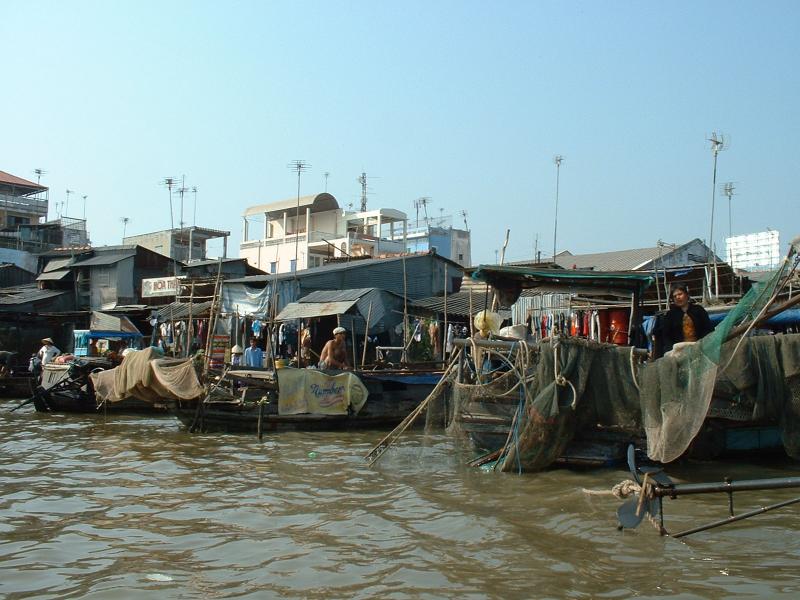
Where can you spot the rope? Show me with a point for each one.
(559, 378)
(633, 371)
(621, 490)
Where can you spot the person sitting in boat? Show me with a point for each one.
(334, 354)
(254, 356)
(685, 321)
(48, 351)
(8, 360)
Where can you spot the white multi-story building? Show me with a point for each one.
(297, 234)
(754, 251)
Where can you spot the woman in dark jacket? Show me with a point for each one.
(685, 321)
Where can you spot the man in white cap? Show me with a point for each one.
(334, 354)
(48, 351)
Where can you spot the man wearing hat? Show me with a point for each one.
(48, 351)
(334, 354)
(685, 321)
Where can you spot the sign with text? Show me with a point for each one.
(160, 286)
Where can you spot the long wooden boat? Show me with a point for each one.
(254, 401)
(580, 402)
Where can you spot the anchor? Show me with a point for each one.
(655, 485)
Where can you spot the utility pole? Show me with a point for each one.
(717, 146)
(557, 159)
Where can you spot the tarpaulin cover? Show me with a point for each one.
(307, 391)
(146, 376)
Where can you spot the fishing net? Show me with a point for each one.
(677, 389)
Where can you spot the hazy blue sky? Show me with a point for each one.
(464, 102)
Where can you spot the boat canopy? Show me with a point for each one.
(510, 281)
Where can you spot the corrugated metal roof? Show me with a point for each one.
(306, 310)
(104, 322)
(457, 304)
(619, 260)
(177, 311)
(336, 295)
(58, 264)
(25, 294)
(53, 275)
(104, 258)
(346, 266)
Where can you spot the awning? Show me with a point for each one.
(53, 276)
(305, 310)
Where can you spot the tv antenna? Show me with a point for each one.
(39, 173)
(718, 144)
(124, 226)
(463, 214)
(299, 166)
(66, 208)
(325, 175)
(557, 159)
(728, 189)
(194, 216)
(363, 181)
(181, 191)
(169, 182)
(422, 202)
(84, 208)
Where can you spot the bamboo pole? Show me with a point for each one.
(212, 318)
(444, 330)
(366, 336)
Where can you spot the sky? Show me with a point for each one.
(463, 102)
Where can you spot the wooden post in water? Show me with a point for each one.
(366, 336)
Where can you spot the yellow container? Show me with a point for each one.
(281, 363)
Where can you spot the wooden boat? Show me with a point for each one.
(578, 402)
(249, 401)
(18, 385)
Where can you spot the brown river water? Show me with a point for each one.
(132, 507)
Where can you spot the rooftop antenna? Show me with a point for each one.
(66, 209)
(326, 174)
(39, 173)
(441, 216)
(557, 159)
(299, 166)
(182, 190)
(124, 226)
(718, 144)
(363, 181)
(194, 216)
(728, 189)
(169, 182)
(84, 207)
(422, 202)
(463, 214)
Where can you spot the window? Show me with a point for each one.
(293, 265)
(460, 257)
(273, 266)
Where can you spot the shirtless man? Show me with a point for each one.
(334, 354)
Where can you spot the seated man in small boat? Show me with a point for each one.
(685, 321)
(334, 354)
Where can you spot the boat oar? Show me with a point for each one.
(23, 403)
(395, 434)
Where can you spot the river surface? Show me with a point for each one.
(132, 507)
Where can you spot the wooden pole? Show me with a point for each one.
(405, 312)
(189, 324)
(444, 330)
(212, 317)
(366, 336)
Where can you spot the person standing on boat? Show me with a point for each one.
(254, 356)
(48, 351)
(685, 321)
(334, 354)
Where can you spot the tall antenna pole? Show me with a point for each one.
(363, 181)
(717, 145)
(557, 159)
(66, 208)
(326, 175)
(727, 189)
(299, 166)
(124, 226)
(84, 206)
(194, 216)
(39, 173)
(169, 182)
(182, 191)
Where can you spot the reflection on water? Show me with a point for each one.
(128, 507)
